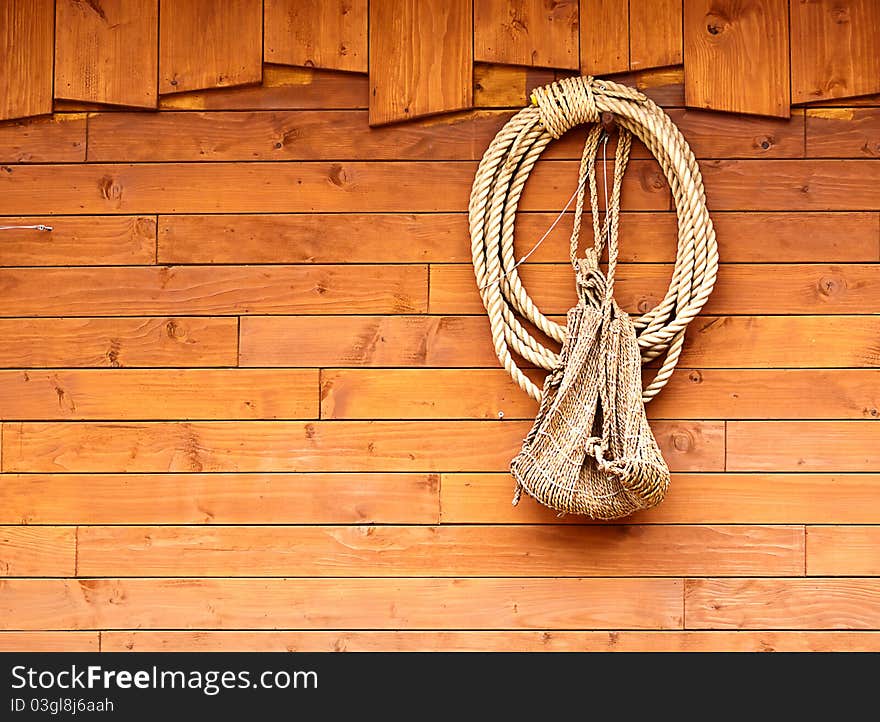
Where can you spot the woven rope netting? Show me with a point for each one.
(590, 450)
(497, 188)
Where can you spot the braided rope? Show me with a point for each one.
(497, 188)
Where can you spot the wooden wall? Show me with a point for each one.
(249, 399)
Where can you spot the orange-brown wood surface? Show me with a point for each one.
(527, 32)
(26, 32)
(248, 393)
(325, 34)
(736, 55)
(107, 52)
(209, 44)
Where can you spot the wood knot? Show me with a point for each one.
(695, 377)
(682, 441)
(337, 175)
(109, 188)
(765, 142)
(715, 24)
(830, 286)
(873, 412)
(174, 331)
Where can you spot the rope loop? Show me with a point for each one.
(498, 186)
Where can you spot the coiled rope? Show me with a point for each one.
(498, 185)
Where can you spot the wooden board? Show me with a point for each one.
(80, 241)
(26, 31)
(159, 394)
(357, 446)
(803, 445)
(527, 32)
(342, 603)
(843, 132)
(421, 58)
(316, 35)
(769, 498)
(469, 641)
(604, 29)
(118, 342)
(107, 52)
(230, 290)
(843, 551)
(37, 551)
(690, 393)
(655, 28)
(443, 238)
(507, 86)
(736, 56)
(440, 551)
(782, 603)
(219, 499)
(209, 44)
(49, 642)
(835, 49)
(60, 138)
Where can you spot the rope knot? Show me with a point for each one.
(565, 104)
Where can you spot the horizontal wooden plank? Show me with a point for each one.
(285, 135)
(464, 341)
(782, 603)
(470, 641)
(803, 445)
(37, 551)
(313, 446)
(692, 499)
(440, 551)
(665, 86)
(60, 138)
(690, 394)
(444, 238)
(740, 289)
(283, 88)
(506, 86)
(49, 641)
(115, 342)
(843, 551)
(79, 241)
(341, 603)
(843, 132)
(159, 394)
(219, 499)
(226, 290)
(356, 186)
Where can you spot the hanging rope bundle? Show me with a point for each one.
(590, 450)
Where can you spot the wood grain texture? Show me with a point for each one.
(509, 641)
(342, 603)
(358, 446)
(26, 31)
(421, 58)
(803, 445)
(465, 341)
(690, 393)
(219, 499)
(118, 342)
(283, 88)
(769, 498)
(655, 28)
(740, 289)
(736, 56)
(843, 551)
(57, 139)
(527, 32)
(49, 642)
(227, 290)
(107, 52)
(316, 35)
(835, 49)
(604, 29)
(80, 241)
(782, 603)
(507, 86)
(209, 44)
(843, 132)
(443, 238)
(159, 394)
(411, 186)
(440, 551)
(286, 135)
(37, 551)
